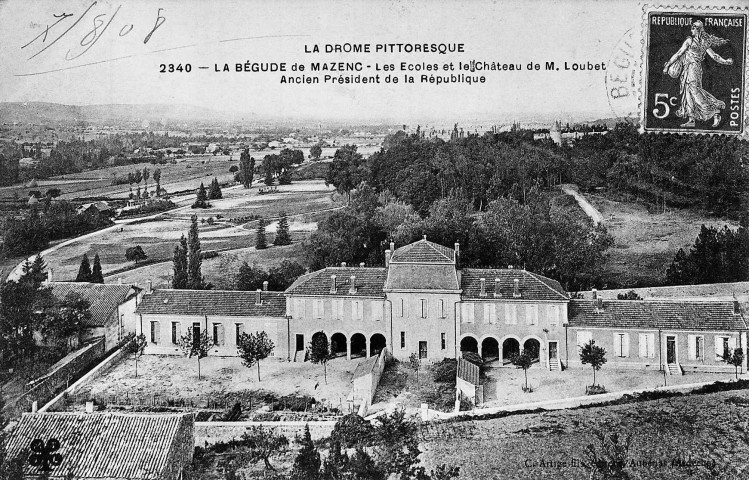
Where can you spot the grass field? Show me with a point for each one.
(645, 243)
(708, 430)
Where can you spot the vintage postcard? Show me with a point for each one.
(406, 239)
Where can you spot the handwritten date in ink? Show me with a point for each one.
(87, 28)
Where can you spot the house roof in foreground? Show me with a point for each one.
(104, 445)
(225, 303)
(104, 298)
(531, 285)
(676, 314)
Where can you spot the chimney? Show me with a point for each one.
(483, 287)
(265, 286)
(361, 264)
(352, 288)
(89, 407)
(50, 279)
(388, 252)
(496, 288)
(599, 304)
(425, 237)
(343, 264)
(149, 286)
(119, 280)
(736, 307)
(258, 297)
(516, 289)
(332, 284)
(457, 255)
(392, 247)
(595, 293)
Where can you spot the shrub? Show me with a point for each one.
(445, 370)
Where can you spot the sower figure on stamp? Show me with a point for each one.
(696, 103)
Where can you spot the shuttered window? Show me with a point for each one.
(722, 342)
(511, 314)
(376, 311)
(238, 331)
(357, 310)
(218, 334)
(468, 313)
(317, 308)
(442, 308)
(155, 332)
(646, 343)
(175, 333)
(553, 315)
(621, 344)
(531, 314)
(696, 345)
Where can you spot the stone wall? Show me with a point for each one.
(209, 433)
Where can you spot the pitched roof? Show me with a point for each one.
(420, 276)
(654, 314)
(104, 298)
(423, 251)
(105, 445)
(531, 285)
(468, 371)
(229, 303)
(368, 282)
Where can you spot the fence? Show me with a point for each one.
(367, 377)
(43, 389)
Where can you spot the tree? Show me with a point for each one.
(263, 444)
(195, 347)
(201, 200)
(282, 232)
(137, 346)
(34, 272)
(254, 347)
(630, 295)
(415, 363)
(214, 192)
(20, 312)
(84, 271)
(307, 462)
(319, 352)
(260, 241)
(735, 358)
(157, 179)
(195, 280)
(179, 262)
(594, 355)
(135, 254)
(523, 360)
(146, 175)
(96, 274)
(137, 176)
(246, 168)
(347, 170)
(315, 151)
(64, 320)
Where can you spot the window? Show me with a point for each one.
(424, 308)
(175, 333)
(444, 341)
(238, 331)
(357, 310)
(621, 344)
(317, 308)
(442, 308)
(422, 350)
(511, 314)
(583, 338)
(338, 309)
(696, 344)
(553, 315)
(402, 307)
(218, 334)
(376, 311)
(403, 339)
(468, 313)
(723, 343)
(531, 314)
(155, 332)
(646, 342)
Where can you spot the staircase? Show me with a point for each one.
(555, 365)
(299, 356)
(674, 369)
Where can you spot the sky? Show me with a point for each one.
(121, 67)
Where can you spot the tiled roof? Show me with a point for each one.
(654, 314)
(104, 445)
(416, 276)
(532, 286)
(229, 303)
(423, 251)
(468, 371)
(369, 282)
(104, 298)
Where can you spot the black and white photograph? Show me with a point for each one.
(374, 240)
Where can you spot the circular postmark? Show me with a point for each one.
(622, 71)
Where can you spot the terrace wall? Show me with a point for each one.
(210, 433)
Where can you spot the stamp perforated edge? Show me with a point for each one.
(641, 91)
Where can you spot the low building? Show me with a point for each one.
(112, 308)
(94, 446)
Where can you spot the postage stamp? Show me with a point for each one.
(694, 75)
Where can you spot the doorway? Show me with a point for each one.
(299, 342)
(670, 349)
(553, 350)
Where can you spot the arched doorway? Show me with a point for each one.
(469, 344)
(533, 347)
(490, 349)
(338, 344)
(358, 345)
(510, 347)
(376, 344)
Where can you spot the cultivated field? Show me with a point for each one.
(665, 435)
(645, 243)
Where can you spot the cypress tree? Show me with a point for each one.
(282, 233)
(260, 242)
(307, 462)
(96, 275)
(84, 271)
(215, 190)
(194, 262)
(179, 281)
(201, 200)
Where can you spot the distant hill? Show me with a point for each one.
(41, 112)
